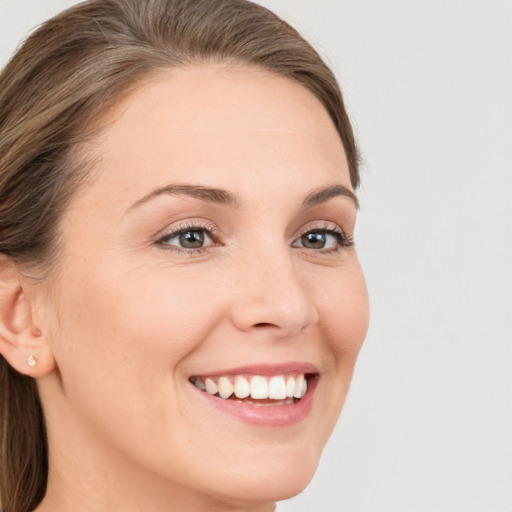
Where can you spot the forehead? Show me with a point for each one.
(213, 124)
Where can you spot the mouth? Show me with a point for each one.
(263, 396)
(258, 390)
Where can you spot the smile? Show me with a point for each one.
(265, 395)
(256, 389)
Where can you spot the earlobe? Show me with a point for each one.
(22, 344)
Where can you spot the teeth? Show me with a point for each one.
(304, 387)
(242, 387)
(298, 386)
(225, 388)
(290, 387)
(280, 388)
(277, 388)
(259, 387)
(211, 387)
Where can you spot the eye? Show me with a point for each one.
(193, 238)
(326, 239)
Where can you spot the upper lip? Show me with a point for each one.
(265, 369)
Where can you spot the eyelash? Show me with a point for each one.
(343, 241)
(209, 229)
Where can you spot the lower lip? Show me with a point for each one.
(265, 415)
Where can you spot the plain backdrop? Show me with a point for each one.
(427, 426)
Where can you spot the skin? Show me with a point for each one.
(128, 319)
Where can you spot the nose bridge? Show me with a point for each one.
(271, 295)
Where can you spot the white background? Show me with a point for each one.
(428, 83)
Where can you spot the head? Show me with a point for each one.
(176, 183)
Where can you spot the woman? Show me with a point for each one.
(182, 305)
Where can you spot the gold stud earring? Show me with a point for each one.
(31, 361)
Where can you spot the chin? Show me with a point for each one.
(271, 479)
(269, 489)
(284, 486)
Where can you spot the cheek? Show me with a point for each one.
(120, 341)
(341, 300)
(137, 311)
(127, 334)
(344, 314)
(343, 321)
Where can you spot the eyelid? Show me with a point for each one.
(344, 240)
(320, 226)
(211, 229)
(188, 225)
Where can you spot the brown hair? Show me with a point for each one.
(62, 80)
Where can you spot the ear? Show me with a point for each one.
(23, 344)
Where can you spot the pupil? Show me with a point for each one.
(314, 240)
(192, 239)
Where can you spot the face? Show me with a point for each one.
(210, 254)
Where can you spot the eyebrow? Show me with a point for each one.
(211, 195)
(324, 194)
(224, 197)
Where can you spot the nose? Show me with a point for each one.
(272, 297)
